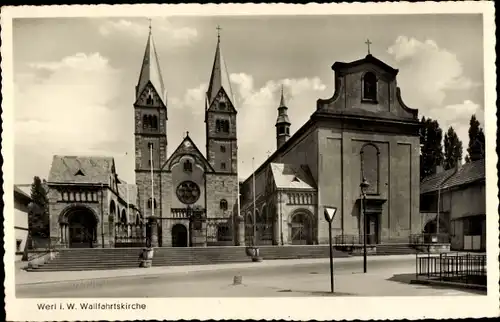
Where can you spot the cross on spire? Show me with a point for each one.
(368, 43)
(218, 32)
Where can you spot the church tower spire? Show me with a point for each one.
(282, 123)
(220, 118)
(219, 79)
(150, 70)
(150, 119)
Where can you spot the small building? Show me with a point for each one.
(453, 203)
(21, 210)
(90, 206)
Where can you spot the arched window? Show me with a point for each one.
(223, 204)
(154, 124)
(145, 123)
(370, 87)
(218, 126)
(188, 166)
(151, 202)
(226, 126)
(149, 99)
(123, 217)
(370, 167)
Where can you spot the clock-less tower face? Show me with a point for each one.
(188, 192)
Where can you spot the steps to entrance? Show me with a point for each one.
(178, 256)
(298, 252)
(395, 249)
(115, 258)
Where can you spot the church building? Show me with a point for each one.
(363, 133)
(189, 198)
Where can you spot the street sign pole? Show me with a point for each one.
(331, 255)
(329, 215)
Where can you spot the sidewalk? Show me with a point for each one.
(24, 278)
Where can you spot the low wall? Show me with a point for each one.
(433, 248)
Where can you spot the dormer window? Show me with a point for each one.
(222, 106)
(188, 166)
(370, 87)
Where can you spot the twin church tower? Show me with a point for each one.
(169, 185)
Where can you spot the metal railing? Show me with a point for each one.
(455, 267)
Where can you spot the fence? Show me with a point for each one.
(219, 231)
(464, 268)
(264, 233)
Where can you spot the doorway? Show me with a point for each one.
(372, 228)
(82, 229)
(179, 236)
(301, 229)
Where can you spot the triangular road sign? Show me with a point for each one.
(330, 213)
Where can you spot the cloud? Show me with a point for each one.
(257, 113)
(162, 28)
(63, 107)
(432, 80)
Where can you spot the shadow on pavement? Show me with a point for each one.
(407, 279)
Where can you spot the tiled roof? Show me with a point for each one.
(468, 173)
(465, 174)
(21, 192)
(95, 169)
(287, 176)
(433, 182)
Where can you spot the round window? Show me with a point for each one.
(188, 192)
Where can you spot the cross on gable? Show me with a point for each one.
(218, 31)
(368, 43)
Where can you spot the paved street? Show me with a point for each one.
(387, 276)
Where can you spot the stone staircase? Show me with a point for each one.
(299, 251)
(179, 256)
(395, 249)
(81, 259)
(117, 258)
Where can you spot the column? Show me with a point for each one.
(154, 232)
(241, 230)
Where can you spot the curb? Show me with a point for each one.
(450, 284)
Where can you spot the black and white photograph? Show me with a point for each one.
(256, 161)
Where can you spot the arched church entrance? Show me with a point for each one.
(82, 228)
(179, 236)
(301, 229)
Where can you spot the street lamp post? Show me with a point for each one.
(364, 185)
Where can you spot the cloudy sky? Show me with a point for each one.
(75, 77)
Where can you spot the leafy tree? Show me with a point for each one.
(431, 149)
(476, 149)
(38, 216)
(452, 149)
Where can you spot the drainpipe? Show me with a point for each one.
(438, 210)
(280, 219)
(102, 216)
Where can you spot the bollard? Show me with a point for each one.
(237, 280)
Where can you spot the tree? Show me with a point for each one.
(476, 149)
(431, 149)
(38, 215)
(452, 149)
